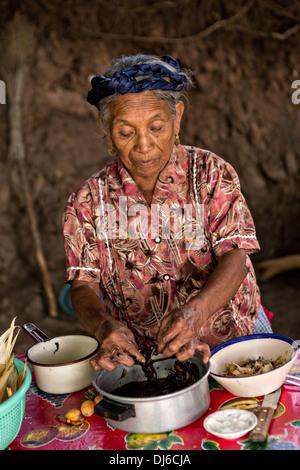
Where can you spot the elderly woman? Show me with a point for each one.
(158, 242)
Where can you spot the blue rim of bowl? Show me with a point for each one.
(287, 339)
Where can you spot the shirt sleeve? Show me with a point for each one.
(230, 221)
(80, 241)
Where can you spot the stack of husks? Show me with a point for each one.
(10, 380)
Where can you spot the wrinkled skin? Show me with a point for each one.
(142, 131)
(178, 335)
(174, 337)
(118, 346)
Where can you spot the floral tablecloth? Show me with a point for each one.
(42, 429)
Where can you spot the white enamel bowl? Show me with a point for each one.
(61, 364)
(237, 350)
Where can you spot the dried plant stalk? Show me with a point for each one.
(10, 380)
(17, 47)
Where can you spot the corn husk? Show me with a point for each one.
(10, 380)
(21, 376)
(257, 366)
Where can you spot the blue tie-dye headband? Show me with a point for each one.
(123, 81)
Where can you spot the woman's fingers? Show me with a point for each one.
(112, 354)
(175, 337)
(168, 348)
(185, 348)
(186, 351)
(169, 329)
(110, 362)
(103, 360)
(204, 349)
(132, 351)
(118, 346)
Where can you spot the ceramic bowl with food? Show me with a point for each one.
(256, 349)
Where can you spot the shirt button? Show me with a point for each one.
(166, 277)
(157, 239)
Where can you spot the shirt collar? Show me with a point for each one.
(175, 172)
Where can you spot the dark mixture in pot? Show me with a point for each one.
(180, 376)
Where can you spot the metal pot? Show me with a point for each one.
(153, 414)
(61, 364)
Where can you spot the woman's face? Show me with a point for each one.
(142, 131)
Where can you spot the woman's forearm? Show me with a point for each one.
(221, 286)
(87, 305)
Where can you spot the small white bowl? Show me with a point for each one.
(230, 424)
(237, 350)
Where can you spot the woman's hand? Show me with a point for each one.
(117, 343)
(117, 346)
(177, 335)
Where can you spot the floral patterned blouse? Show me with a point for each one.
(151, 259)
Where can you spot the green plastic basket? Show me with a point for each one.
(12, 410)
